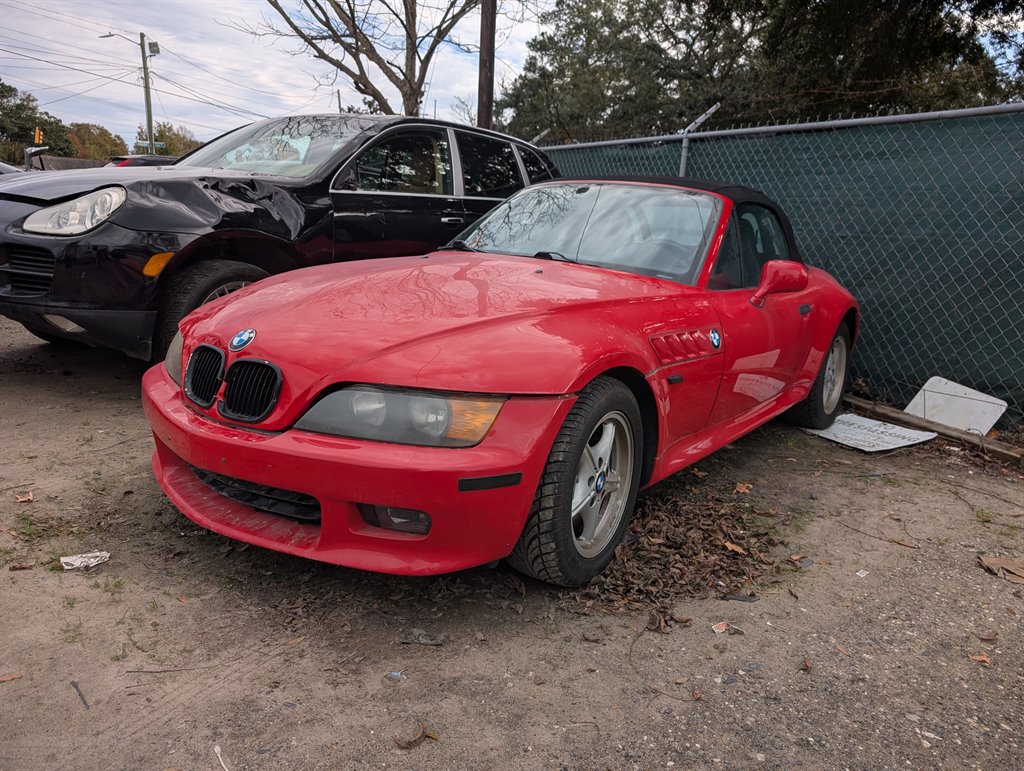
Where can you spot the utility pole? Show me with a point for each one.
(153, 49)
(485, 90)
(149, 101)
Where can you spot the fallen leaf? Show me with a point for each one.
(720, 627)
(988, 636)
(982, 658)
(416, 740)
(21, 566)
(698, 473)
(795, 557)
(26, 498)
(842, 650)
(10, 676)
(296, 640)
(733, 547)
(420, 637)
(1010, 568)
(591, 638)
(11, 533)
(807, 665)
(183, 599)
(743, 487)
(697, 695)
(794, 594)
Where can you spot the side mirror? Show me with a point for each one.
(779, 276)
(348, 181)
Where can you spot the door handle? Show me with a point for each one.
(451, 220)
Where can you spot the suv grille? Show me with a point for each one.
(252, 390)
(29, 269)
(284, 503)
(204, 374)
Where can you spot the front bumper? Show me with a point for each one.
(94, 280)
(127, 331)
(468, 527)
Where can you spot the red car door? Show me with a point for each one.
(762, 347)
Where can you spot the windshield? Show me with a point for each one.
(288, 147)
(653, 231)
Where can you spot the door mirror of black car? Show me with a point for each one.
(347, 180)
(779, 276)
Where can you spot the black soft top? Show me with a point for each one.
(738, 194)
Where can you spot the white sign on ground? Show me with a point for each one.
(871, 435)
(952, 404)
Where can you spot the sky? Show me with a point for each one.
(209, 76)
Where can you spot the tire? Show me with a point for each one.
(825, 400)
(594, 469)
(194, 286)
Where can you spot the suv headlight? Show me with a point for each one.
(403, 417)
(73, 217)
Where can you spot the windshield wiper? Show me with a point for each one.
(545, 255)
(459, 246)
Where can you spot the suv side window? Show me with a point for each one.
(536, 169)
(413, 163)
(489, 167)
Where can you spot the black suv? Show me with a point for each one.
(116, 257)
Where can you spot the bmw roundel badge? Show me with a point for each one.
(244, 337)
(716, 339)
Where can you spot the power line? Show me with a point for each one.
(76, 21)
(119, 80)
(72, 96)
(239, 111)
(215, 75)
(8, 31)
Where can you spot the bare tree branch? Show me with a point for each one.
(379, 45)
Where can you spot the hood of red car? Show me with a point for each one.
(450, 321)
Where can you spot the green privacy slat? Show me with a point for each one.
(923, 222)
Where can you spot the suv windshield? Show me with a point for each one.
(286, 147)
(652, 231)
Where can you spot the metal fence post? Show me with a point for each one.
(685, 151)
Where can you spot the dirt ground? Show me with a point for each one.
(857, 654)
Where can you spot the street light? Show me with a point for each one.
(153, 50)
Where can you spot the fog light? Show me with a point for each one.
(63, 324)
(390, 518)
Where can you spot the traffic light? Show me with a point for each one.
(38, 139)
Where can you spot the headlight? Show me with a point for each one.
(173, 359)
(77, 216)
(403, 417)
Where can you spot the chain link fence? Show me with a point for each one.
(920, 216)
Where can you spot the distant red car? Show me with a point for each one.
(505, 396)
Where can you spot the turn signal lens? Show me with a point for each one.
(156, 263)
(471, 419)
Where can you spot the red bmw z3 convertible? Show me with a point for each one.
(507, 395)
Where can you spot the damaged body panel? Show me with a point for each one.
(115, 257)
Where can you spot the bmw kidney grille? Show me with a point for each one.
(204, 374)
(252, 390)
(252, 386)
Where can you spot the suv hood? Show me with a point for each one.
(54, 186)
(448, 321)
